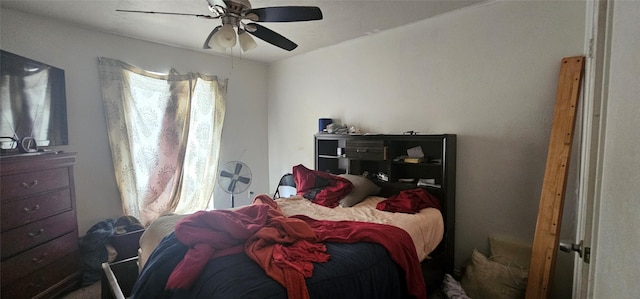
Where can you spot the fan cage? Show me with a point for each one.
(234, 177)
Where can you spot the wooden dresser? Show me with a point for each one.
(40, 254)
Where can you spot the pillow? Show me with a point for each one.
(510, 252)
(320, 187)
(484, 278)
(362, 187)
(452, 288)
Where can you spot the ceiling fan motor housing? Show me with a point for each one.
(234, 12)
(237, 6)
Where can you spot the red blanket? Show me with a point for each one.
(263, 248)
(409, 201)
(397, 242)
(284, 247)
(211, 234)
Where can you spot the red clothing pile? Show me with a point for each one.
(409, 201)
(320, 187)
(211, 234)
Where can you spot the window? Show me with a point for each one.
(164, 131)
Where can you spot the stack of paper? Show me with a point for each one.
(414, 155)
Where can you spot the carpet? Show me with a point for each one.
(92, 291)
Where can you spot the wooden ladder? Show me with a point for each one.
(545, 242)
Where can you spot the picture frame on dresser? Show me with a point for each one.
(39, 248)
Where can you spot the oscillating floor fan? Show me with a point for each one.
(234, 178)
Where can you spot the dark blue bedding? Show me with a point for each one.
(356, 270)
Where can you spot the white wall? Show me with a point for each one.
(76, 50)
(487, 73)
(616, 259)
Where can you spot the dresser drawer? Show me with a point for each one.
(33, 182)
(36, 233)
(38, 257)
(19, 212)
(39, 240)
(365, 150)
(54, 277)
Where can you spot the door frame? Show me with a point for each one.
(597, 46)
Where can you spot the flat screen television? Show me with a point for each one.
(33, 103)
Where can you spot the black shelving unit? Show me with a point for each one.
(380, 156)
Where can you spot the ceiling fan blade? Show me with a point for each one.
(287, 13)
(206, 41)
(169, 13)
(272, 37)
(226, 174)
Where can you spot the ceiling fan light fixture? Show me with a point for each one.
(225, 37)
(213, 45)
(246, 41)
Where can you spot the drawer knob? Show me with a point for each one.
(31, 210)
(37, 234)
(30, 185)
(39, 259)
(36, 284)
(361, 150)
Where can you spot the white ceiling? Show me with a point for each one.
(343, 20)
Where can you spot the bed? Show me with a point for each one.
(386, 259)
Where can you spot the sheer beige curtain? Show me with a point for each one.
(164, 131)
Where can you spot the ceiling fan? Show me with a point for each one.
(240, 14)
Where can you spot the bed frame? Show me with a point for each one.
(442, 258)
(118, 278)
(372, 154)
